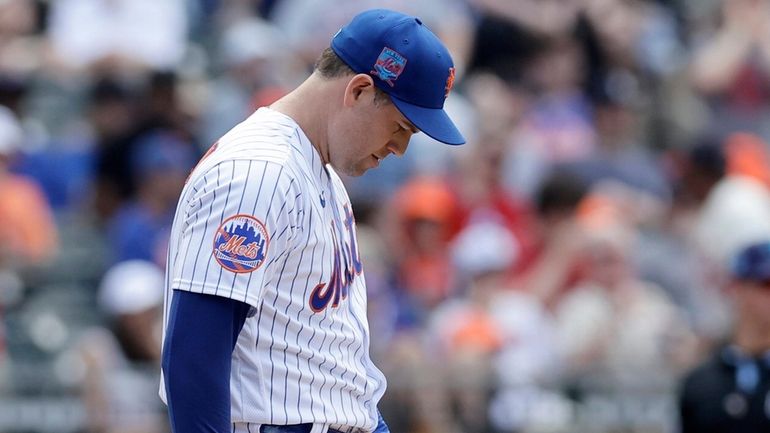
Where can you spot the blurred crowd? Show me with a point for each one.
(562, 272)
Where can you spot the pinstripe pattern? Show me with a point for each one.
(291, 364)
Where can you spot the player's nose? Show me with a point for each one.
(397, 148)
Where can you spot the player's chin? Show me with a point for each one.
(358, 171)
(362, 167)
(351, 171)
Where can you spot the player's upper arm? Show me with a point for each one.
(240, 217)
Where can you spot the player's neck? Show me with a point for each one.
(308, 105)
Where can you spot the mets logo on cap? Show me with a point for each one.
(240, 243)
(450, 82)
(389, 66)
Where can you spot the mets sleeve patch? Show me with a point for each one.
(240, 244)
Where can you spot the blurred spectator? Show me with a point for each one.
(119, 36)
(603, 321)
(139, 230)
(500, 253)
(527, 368)
(500, 104)
(423, 209)
(162, 106)
(730, 391)
(121, 364)
(113, 114)
(551, 18)
(731, 67)
(470, 330)
(509, 35)
(621, 153)
(695, 171)
(637, 36)
(28, 235)
(121, 114)
(634, 58)
(482, 253)
(737, 210)
(250, 56)
(20, 48)
(557, 128)
(560, 240)
(667, 252)
(482, 196)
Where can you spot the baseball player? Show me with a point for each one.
(265, 325)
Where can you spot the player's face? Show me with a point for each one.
(366, 132)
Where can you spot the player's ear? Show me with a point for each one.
(358, 89)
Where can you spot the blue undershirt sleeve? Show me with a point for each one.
(200, 337)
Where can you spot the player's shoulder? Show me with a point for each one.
(265, 142)
(266, 135)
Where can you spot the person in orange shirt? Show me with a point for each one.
(28, 235)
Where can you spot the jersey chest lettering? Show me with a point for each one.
(346, 267)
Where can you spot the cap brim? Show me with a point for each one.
(434, 122)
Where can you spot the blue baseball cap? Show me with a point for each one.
(753, 263)
(408, 62)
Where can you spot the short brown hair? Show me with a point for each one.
(329, 65)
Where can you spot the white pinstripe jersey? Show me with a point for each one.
(261, 220)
